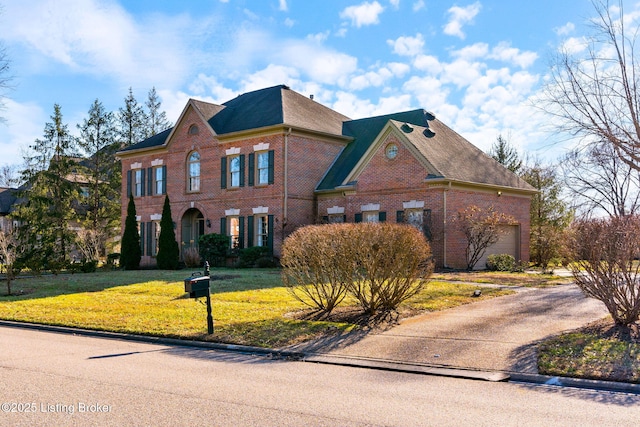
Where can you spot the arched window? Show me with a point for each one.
(193, 168)
(193, 130)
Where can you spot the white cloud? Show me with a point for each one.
(472, 52)
(363, 14)
(504, 52)
(100, 38)
(460, 16)
(574, 45)
(407, 46)
(461, 72)
(283, 5)
(289, 22)
(399, 69)
(428, 63)
(395, 3)
(566, 29)
(418, 5)
(272, 75)
(24, 124)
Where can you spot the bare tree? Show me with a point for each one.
(5, 77)
(595, 95)
(10, 249)
(9, 176)
(481, 228)
(601, 181)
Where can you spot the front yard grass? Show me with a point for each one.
(250, 307)
(600, 351)
(504, 278)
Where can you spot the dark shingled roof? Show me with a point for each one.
(455, 158)
(276, 105)
(365, 132)
(7, 199)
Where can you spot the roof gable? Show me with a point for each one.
(7, 199)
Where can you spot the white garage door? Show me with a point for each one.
(506, 244)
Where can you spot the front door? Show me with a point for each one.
(192, 229)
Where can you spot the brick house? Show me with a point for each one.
(269, 161)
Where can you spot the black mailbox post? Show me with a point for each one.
(197, 287)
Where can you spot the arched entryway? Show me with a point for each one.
(192, 229)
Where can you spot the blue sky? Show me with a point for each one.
(475, 64)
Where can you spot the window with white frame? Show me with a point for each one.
(159, 180)
(234, 171)
(370, 216)
(262, 171)
(262, 230)
(138, 182)
(194, 171)
(414, 217)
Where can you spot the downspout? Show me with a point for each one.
(285, 199)
(444, 240)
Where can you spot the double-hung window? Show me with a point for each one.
(234, 171)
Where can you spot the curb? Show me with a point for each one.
(349, 361)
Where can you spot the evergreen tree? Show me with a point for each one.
(168, 250)
(156, 120)
(102, 173)
(49, 195)
(130, 252)
(131, 120)
(505, 154)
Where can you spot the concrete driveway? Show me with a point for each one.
(495, 334)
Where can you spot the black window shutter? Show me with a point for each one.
(271, 160)
(128, 183)
(270, 232)
(399, 217)
(382, 216)
(223, 225)
(142, 230)
(250, 231)
(142, 178)
(325, 219)
(150, 189)
(223, 172)
(358, 217)
(241, 170)
(241, 232)
(164, 179)
(344, 218)
(149, 238)
(252, 168)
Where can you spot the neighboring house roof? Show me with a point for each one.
(7, 199)
(277, 105)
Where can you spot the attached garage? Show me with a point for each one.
(508, 243)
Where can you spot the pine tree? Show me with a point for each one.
(102, 172)
(168, 250)
(130, 252)
(156, 120)
(505, 154)
(49, 196)
(131, 120)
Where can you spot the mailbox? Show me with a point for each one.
(197, 286)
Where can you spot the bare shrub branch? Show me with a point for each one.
(607, 266)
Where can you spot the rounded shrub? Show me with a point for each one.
(501, 262)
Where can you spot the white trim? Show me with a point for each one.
(233, 150)
(261, 210)
(157, 162)
(335, 210)
(136, 165)
(193, 204)
(370, 207)
(261, 147)
(156, 217)
(232, 212)
(138, 218)
(413, 204)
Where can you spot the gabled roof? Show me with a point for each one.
(277, 105)
(7, 199)
(449, 156)
(364, 132)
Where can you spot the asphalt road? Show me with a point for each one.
(51, 379)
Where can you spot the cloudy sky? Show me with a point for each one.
(475, 64)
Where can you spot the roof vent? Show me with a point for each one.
(429, 133)
(407, 128)
(311, 97)
(429, 115)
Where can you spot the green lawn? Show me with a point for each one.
(250, 306)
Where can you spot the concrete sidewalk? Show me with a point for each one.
(498, 334)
